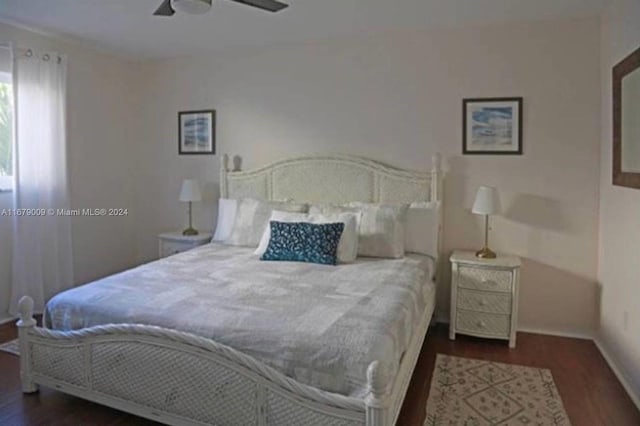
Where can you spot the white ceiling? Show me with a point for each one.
(128, 27)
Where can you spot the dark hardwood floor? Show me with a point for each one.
(591, 393)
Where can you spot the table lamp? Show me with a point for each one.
(487, 203)
(190, 192)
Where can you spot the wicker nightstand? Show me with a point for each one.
(484, 296)
(174, 242)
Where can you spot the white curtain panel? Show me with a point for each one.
(42, 263)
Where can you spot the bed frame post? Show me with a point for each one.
(437, 189)
(224, 169)
(25, 324)
(436, 176)
(376, 400)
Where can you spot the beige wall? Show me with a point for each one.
(619, 212)
(101, 114)
(398, 99)
(395, 98)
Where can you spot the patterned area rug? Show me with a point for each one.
(12, 347)
(470, 392)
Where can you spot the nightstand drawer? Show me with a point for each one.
(168, 248)
(496, 303)
(483, 323)
(485, 279)
(171, 243)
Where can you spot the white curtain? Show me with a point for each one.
(42, 257)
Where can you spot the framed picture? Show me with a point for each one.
(492, 126)
(197, 132)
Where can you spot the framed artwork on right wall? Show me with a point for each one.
(492, 126)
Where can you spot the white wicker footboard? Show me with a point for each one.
(181, 379)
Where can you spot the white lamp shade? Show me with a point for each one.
(487, 201)
(190, 190)
(192, 7)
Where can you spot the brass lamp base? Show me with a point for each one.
(485, 253)
(191, 231)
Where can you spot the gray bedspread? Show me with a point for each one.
(321, 325)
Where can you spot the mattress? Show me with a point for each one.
(321, 325)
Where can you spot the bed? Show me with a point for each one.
(210, 364)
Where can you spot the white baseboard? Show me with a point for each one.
(559, 333)
(618, 371)
(6, 320)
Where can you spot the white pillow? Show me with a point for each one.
(226, 215)
(348, 245)
(421, 232)
(278, 216)
(382, 230)
(252, 217)
(334, 209)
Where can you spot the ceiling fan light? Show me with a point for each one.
(192, 7)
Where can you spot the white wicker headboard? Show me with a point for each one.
(339, 179)
(332, 179)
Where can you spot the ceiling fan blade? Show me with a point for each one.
(268, 5)
(165, 9)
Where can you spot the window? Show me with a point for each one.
(6, 132)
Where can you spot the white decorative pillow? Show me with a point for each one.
(348, 245)
(278, 216)
(334, 209)
(382, 230)
(252, 217)
(421, 232)
(226, 215)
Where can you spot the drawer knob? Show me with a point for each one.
(482, 324)
(483, 302)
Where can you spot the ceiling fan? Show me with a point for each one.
(197, 7)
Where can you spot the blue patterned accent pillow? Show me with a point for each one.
(304, 242)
